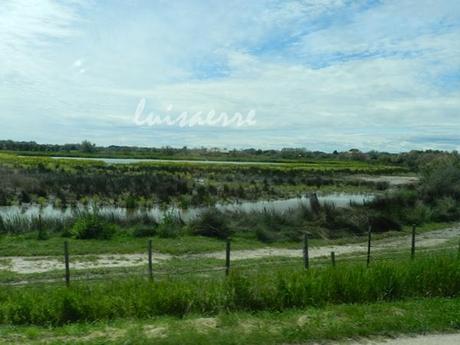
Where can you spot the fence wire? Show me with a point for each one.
(380, 250)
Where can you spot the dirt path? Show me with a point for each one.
(44, 264)
(437, 339)
(426, 240)
(41, 264)
(390, 179)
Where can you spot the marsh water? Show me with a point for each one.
(145, 160)
(49, 211)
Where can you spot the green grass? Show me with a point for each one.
(273, 290)
(123, 243)
(300, 326)
(207, 267)
(28, 245)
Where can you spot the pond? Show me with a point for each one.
(49, 211)
(145, 160)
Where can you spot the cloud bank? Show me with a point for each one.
(322, 74)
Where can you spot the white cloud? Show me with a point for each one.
(26, 26)
(324, 73)
(78, 63)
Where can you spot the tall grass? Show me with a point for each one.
(271, 291)
(20, 224)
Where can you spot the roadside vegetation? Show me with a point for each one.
(273, 291)
(297, 326)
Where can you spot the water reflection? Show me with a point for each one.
(49, 211)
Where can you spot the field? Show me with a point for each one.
(191, 291)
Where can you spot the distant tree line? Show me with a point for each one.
(412, 159)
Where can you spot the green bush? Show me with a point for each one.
(92, 226)
(446, 209)
(171, 226)
(265, 235)
(441, 179)
(42, 234)
(211, 223)
(144, 231)
(381, 223)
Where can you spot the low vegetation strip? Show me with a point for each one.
(362, 322)
(269, 290)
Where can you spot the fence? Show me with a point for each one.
(369, 255)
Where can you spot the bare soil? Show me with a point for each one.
(43, 264)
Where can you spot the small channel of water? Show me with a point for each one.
(338, 199)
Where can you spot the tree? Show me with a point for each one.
(87, 147)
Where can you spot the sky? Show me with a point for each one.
(319, 74)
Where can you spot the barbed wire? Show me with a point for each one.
(377, 254)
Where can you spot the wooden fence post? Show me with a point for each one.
(369, 240)
(227, 257)
(306, 261)
(333, 259)
(150, 250)
(412, 250)
(66, 261)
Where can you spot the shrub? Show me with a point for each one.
(211, 223)
(42, 234)
(441, 180)
(170, 227)
(144, 231)
(419, 214)
(446, 209)
(131, 202)
(265, 235)
(382, 223)
(92, 226)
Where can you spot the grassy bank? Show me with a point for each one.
(124, 243)
(305, 326)
(273, 291)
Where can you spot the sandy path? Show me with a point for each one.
(41, 264)
(426, 240)
(390, 179)
(44, 264)
(438, 339)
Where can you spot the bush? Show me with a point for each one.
(382, 223)
(92, 226)
(211, 223)
(446, 209)
(265, 235)
(144, 231)
(419, 214)
(441, 180)
(170, 227)
(42, 234)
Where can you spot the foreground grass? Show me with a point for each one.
(209, 267)
(268, 290)
(305, 326)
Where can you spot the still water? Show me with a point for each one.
(338, 199)
(134, 161)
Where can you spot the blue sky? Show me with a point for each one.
(320, 74)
